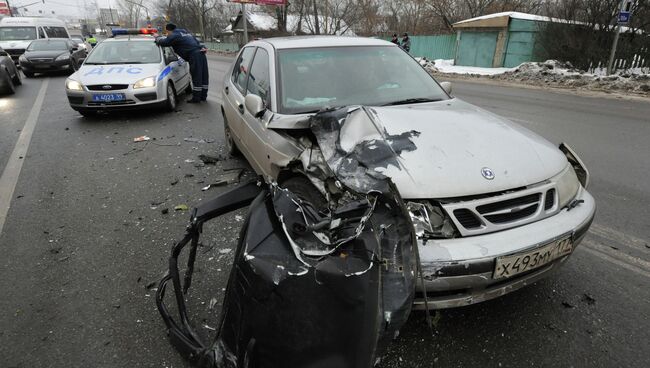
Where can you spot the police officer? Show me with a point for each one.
(92, 41)
(189, 48)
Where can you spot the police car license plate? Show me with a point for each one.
(509, 266)
(108, 97)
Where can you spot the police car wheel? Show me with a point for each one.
(17, 79)
(171, 98)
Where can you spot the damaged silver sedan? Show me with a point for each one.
(495, 207)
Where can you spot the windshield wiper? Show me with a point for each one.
(412, 101)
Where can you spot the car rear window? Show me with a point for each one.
(125, 52)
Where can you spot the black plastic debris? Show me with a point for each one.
(227, 177)
(307, 288)
(210, 160)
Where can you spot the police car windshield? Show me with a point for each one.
(124, 52)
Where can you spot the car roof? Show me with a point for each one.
(323, 41)
(51, 39)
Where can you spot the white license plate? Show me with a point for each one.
(509, 266)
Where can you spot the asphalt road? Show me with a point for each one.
(85, 237)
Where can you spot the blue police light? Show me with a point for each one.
(133, 31)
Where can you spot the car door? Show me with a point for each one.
(270, 149)
(176, 75)
(233, 98)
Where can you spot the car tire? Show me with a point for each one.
(73, 65)
(9, 87)
(305, 190)
(231, 146)
(28, 74)
(17, 78)
(171, 101)
(188, 89)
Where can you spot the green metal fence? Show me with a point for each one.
(222, 46)
(433, 47)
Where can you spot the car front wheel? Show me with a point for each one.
(231, 147)
(8, 84)
(17, 79)
(170, 104)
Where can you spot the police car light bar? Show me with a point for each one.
(134, 31)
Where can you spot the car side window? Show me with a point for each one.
(56, 32)
(259, 82)
(41, 32)
(240, 71)
(170, 56)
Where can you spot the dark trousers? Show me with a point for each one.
(200, 77)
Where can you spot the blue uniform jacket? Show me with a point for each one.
(183, 43)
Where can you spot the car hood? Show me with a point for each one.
(454, 141)
(14, 44)
(115, 74)
(45, 54)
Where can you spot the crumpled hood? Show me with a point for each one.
(115, 74)
(456, 141)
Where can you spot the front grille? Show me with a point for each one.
(111, 103)
(41, 60)
(467, 218)
(110, 87)
(76, 100)
(501, 218)
(500, 206)
(482, 215)
(550, 199)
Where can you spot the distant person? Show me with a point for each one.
(406, 42)
(395, 40)
(190, 49)
(92, 41)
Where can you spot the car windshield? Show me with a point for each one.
(314, 78)
(17, 33)
(77, 39)
(48, 45)
(125, 52)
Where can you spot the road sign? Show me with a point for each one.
(624, 17)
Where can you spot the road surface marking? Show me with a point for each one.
(587, 248)
(618, 237)
(11, 172)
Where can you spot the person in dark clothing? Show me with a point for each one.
(395, 40)
(406, 42)
(191, 50)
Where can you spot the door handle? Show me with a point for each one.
(241, 107)
(226, 89)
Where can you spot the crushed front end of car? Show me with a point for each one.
(313, 284)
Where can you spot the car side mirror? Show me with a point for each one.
(254, 105)
(446, 86)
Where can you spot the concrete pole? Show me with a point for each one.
(245, 18)
(610, 64)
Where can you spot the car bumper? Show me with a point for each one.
(141, 97)
(459, 272)
(46, 67)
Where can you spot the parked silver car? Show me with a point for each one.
(494, 206)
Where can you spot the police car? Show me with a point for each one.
(128, 71)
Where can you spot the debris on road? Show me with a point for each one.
(198, 140)
(164, 211)
(141, 138)
(228, 177)
(588, 299)
(181, 207)
(210, 160)
(568, 305)
(174, 182)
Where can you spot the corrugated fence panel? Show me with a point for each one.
(434, 47)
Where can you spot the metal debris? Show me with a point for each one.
(210, 160)
(198, 140)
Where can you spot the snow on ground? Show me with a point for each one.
(447, 66)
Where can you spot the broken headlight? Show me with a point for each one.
(429, 221)
(578, 166)
(567, 186)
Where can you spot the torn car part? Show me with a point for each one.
(308, 288)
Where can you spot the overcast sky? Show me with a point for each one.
(71, 8)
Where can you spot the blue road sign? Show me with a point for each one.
(623, 17)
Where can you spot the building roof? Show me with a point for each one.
(296, 42)
(510, 14)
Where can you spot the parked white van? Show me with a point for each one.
(16, 33)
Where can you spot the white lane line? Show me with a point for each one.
(11, 172)
(619, 237)
(613, 260)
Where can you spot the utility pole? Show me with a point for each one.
(624, 7)
(11, 13)
(245, 18)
